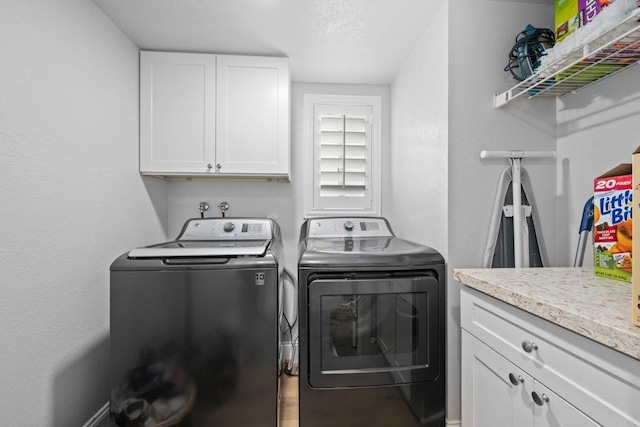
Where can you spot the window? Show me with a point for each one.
(342, 155)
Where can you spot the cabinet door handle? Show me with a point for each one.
(515, 380)
(539, 399)
(218, 166)
(529, 346)
(209, 166)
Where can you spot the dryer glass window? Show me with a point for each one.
(369, 332)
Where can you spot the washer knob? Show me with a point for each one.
(228, 227)
(348, 226)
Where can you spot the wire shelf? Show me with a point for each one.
(599, 58)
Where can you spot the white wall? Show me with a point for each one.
(597, 130)
(71, 201)
(481, 33)
(419, 111)
(281, 201)
(419, 168)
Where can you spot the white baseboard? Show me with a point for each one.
(98, 417)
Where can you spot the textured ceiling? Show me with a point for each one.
(330, 41)
(327, 41)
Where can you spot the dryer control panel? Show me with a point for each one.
(356, 227)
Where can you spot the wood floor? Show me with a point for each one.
(289, 402)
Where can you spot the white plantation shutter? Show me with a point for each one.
(344, 158)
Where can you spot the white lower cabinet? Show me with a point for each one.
(489, 398)
(497, 393)
(519, 370)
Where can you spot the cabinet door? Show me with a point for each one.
(494, 391)
(177, 113)
(252, 126)
(550, 410)
(601, 382)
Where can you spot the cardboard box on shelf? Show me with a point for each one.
(612, 223)
(635, 288)
(573, 14)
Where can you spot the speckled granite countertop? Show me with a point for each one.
(573, 298)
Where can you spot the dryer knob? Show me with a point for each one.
(348, 226)
(228, 227)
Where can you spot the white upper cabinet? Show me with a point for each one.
(252, 127)
(177, 112)
(205, 115)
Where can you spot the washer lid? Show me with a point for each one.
(214, 237)
(202, 248)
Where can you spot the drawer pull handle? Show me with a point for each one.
(539, 399)
(529, 346)
(515, 380)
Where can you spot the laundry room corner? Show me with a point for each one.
(475, 125)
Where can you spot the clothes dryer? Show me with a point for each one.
(195, 327)
(371, 326)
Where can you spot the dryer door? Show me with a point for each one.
(368, 332)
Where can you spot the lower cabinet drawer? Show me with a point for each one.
(601, 382)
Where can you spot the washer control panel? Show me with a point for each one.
(323, 228)
(226, 229)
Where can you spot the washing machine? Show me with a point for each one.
(195, 327)
(371, 326)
